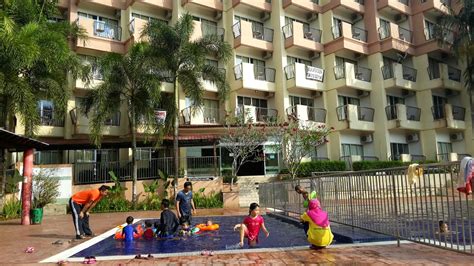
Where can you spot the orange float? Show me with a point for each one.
(138, 234)
(204, 227)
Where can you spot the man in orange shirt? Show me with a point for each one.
(81, 203)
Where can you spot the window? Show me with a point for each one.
(144, 153)
(438, 106)
(398, 148)
(48, 157)
(258, 66)
(108, 155)
(393, 100)
(84, 156)
(384, 30)
(257, 27)
(345, 100)
(289, 20)
(46, 112)
(433, 68)
(292, 60)
(352, 149)
(92, 61)
(337, 28)
(210, 62)
(147, 18)
(295, 100)
(444, 149)
(242, 100)
(430, 28)
(104, 27)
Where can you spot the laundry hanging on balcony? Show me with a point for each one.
(465, 176)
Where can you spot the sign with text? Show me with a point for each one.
(160, 117)
(314, 73)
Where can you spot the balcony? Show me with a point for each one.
(305, 38)
(307, 116)
(50, 125)
(396, 38)
(355, 117)
(262, 5)
(302, 5)
(304, 77)
(444, 76)
(116, 4)
(207, 84)
(431, 42)
(257, 114)
(203, 29)
(399, 76)
(353, 76)
(245, 35)
(403, 116)
(102, 36)
(112, 126)
(96, 79)
(208, 4)
(344, 6)
(162, 4)
(346, 36)
(449, 116)
(201, 116)
(248, 76)
(432, 7)
(394, 7)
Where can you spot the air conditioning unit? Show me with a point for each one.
(168, 14)
(456, 136)
(267, 55)
(100, 27)
(316, 94)
(218, 15)
(312, 17)
(366, 139)
(357, 55)
(413, 138)
(400, 18)
(362, 93)
(265, 16)
(355, 17)
(314, 55)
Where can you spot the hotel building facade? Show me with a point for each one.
(374, 70)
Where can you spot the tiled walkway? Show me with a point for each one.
(14, 238)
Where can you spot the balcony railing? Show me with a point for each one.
(454, 74)
(365, 113)
(433, 72)
(414, 158)
(312, 34)
(341, 112)
(266, 114)
(362, 73)
(210, 115)
(314, 114)
(106, 30)
(359, 34)
(264, 73)
(208, 29)
(236, 29)
(438, 112)
(413, 113)
(384, 32)
(405, 34)
(290, 71)
(459, 113)
(339, 72)
(387, 71)
(114, 120)
(47, 118)
(439, 33)
(262, 33)
(409, 73)
(405, 2)
(336, 31)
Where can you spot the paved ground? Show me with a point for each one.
(14, 238)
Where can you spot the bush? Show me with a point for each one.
(227, 176)
(45, 189)
(12, 182)
(307, 168)
(213, 200)
(372, 165)
(12, 209)
(113, 204)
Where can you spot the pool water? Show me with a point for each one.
(282, 234)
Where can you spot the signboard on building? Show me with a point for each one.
(160, 117)
(314, 73)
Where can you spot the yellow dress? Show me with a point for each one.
(317, 235)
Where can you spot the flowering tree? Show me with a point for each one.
(242, 140)
(296, 141)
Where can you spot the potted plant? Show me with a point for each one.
(45, 191)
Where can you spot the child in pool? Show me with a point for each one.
(443, 228)
(168, 221)
(251, 225)
(319, 232)
(148, 234)
(128, 231)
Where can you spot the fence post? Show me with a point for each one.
(395, 203)
(350, 200)
(273, 197)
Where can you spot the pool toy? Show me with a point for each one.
(204, 227)
(138, 234)
(195, 230)
(29, 250)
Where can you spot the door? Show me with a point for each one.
(438, 107)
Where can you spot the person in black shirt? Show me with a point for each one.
(168, 221)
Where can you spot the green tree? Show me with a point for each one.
(36, 60)
(183, 61)
(128, 79)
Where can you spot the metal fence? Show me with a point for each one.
(98, 172)
(389, 202)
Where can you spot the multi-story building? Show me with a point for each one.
(371, 69)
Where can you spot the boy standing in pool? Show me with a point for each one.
(128, 231)
(185, 204)
(251, 225)
(168, 220)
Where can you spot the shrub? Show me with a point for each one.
(372, 165)
(12, 209)
(13, 179)
(115, 200)
(227, 176)
(45, 189)
(213, 200)
(307, 168)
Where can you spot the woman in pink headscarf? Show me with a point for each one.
(319, 233)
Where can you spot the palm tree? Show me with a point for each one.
(461, 21)
(184, 61)
(128, 79)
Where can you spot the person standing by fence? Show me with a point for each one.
(81, 203)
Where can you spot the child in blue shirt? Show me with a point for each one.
(128, 231)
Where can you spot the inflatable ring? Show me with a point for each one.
(204, 227)
(138, 234)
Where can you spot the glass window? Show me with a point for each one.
(352, 149)
(393, 100)
(144, 153)
(148, 18)
(292, 60)
(295, 100)
(48, 157)
(345, 100)
(398, 148)
(242, 100)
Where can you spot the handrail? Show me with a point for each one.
(405, 34)
(363, 73)
(409, 73)
(236, 30)
(365, 113)
(459, 113)
(359, 34)
(438, 112)
(312, 34)
(454, 73)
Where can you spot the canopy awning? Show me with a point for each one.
(12, 141)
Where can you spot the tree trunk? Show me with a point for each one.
(176, 135)
(134, 157)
